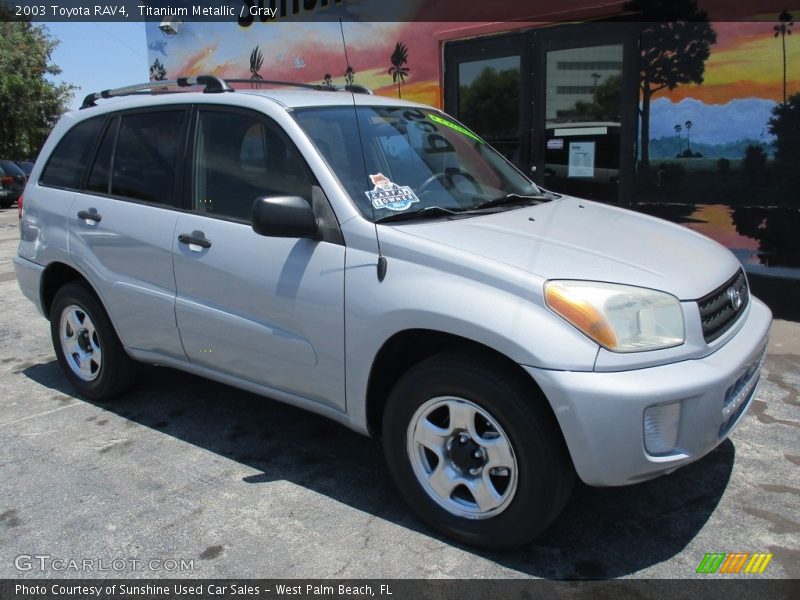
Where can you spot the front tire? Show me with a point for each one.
(475, 452)
(86, 345)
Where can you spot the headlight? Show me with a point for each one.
(621, 318)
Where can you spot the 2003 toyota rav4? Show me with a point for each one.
(376, 262)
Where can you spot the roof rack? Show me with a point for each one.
(211, 85)
(320, 87)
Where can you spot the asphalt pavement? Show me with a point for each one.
(189, 478)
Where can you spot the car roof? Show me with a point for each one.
(288, 98)
(305, 98)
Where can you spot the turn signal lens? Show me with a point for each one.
(581, 314)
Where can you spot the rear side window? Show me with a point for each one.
(146, 156)
(68, 161)
(99, 177)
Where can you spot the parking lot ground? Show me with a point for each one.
(241, 486)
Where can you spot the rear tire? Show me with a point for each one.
(475, 451)
(87, 347)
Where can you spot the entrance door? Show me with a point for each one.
(574, 110)
(484, 89)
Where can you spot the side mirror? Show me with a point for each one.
(283, 216)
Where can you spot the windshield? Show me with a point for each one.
(413, 160)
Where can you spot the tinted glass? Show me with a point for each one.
(68, 161)
(583, 111)
(99, 180)
(147, 156)
(240, 157)
(488, 101)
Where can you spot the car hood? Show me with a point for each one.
(570, 238)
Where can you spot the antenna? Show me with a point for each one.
(381, 258)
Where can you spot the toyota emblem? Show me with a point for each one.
(735, 296)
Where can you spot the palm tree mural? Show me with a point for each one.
(678, 130)
(784, 28)
(688, 126)
(256, 61)
(327, 81)
(349, 75)
(676, 38)
(397, 70)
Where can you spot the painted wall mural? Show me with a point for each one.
(742, 85)
(393, 59)
(723, 153)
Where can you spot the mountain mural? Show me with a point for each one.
(713, 124)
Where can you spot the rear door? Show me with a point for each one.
(264, 309)
(122, 225)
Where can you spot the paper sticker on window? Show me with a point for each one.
(456, 126)
(581, 159)
(555, 144)
(389, 195)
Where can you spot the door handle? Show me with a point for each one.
(194, 240)
(89, 216)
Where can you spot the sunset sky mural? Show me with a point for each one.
(305, 52)
(745, 62)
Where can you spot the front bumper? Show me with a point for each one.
(602, 414)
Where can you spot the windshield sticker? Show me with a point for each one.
(389, 195)
(456, 126)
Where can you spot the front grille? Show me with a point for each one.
(718, 311)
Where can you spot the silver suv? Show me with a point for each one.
(378, 263)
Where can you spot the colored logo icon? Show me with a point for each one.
(734, 562)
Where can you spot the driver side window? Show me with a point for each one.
(239, 157)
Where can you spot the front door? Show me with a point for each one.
(264, 309)
(570, 122)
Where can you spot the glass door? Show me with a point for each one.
(584, 126)
(559, 102)
(485, 90)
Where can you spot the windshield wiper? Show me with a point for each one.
(422, 213)
(511, 199)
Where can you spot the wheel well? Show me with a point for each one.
(407, 348)
(54, 277)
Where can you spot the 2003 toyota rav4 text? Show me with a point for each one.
(376, 262)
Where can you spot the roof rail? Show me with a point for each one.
(320, 87)
(211, 85)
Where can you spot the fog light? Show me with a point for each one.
(661, 428)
